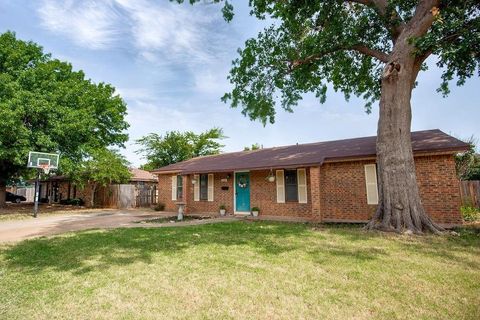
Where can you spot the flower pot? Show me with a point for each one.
(222, 212)
(255, 213)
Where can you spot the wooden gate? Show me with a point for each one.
(470, 193)
(146, 195)
(126, 196)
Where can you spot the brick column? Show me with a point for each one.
(315, 192)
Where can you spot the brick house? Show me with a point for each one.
(332, 181)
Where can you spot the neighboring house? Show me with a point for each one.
(58, 188)
(331, 181)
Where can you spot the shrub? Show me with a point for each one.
(73, 202)
(256, 209)
(159, 207)
(77, 202)
(470, 213)
(223, 207)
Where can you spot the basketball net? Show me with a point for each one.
(45, 168)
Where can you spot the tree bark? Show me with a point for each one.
(3, 193)
(400, 207)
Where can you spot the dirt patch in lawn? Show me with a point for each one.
(173, 219)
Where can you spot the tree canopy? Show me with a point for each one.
(176, 146)
(47, 106)
(345, 43)
(102, 167)
(254, 146)
(468, 163)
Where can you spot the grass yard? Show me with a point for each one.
(242, 270)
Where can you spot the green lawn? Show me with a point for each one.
(242, 270)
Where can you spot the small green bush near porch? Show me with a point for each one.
(242, 270)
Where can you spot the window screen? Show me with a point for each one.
(204, 187)
(291, 185)
(179, 187)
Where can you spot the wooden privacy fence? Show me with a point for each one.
(126, 196)
(146, 195)
(27, 192)
(470, 193)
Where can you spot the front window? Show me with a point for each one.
(291, 185)
(179, 187)
(204, 187)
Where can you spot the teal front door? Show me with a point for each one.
(242, 191)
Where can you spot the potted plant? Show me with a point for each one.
(223, 210)
(255, 211)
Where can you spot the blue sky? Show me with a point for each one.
(170, 62)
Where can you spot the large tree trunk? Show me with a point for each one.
(400, 206)
(3, 193)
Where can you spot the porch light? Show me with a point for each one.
(194, 181)
(270, 177)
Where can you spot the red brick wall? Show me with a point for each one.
(344, 197)
(439, 188)
(343, 191)
(264, 196)
(338, 192)
(219, 196)
(165, 192)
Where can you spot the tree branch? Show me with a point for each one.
(422, 18)
(380, 55)
(361, 48)
(392, 20)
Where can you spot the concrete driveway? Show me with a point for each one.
(16, 230)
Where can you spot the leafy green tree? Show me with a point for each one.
(46, 106)
(254, 146)
(102, 167)
(468, 163)
(372, 49)
(177, 146)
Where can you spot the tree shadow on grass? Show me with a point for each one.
(86, 251)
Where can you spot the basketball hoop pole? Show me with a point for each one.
(37, 187)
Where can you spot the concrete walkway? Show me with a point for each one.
(17, 230)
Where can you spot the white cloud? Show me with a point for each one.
(158, 31)
(165, 32)
(90, 24)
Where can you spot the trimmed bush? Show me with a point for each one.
(159, 207)
(470, 213)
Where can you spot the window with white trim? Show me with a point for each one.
(179, 187)
(291, 185)
(203, 187)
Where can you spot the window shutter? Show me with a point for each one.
(196, 188)
(174, 188)
(280, 186)
(210, 187)
(371, 183)
(302, 185)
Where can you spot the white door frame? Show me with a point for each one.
(235, 192)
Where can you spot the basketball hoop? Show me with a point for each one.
(45, 162)
(45, 167)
